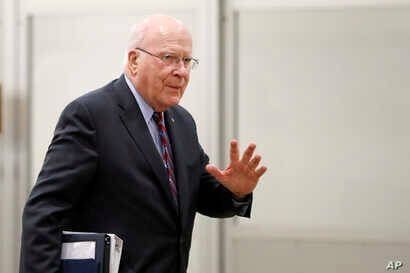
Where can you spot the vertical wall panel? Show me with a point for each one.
(2, 184)
(14, 136)
(324, 94)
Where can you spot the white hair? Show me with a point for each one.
(138, 31)
(136, 36)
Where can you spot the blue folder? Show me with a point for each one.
(79, 266)
(100, 264)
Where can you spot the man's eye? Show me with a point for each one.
(167, 57)
(187, 60)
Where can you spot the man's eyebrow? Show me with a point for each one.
(173, 53)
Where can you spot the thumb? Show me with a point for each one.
(213, 170)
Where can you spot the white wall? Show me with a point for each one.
(263, 4)
(107, 6)
(335, 107)
(284, 254)
(2, 184)
(13, 147)
(322, 89)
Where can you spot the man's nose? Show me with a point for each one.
(181, 70)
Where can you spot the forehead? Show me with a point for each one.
(165, 37)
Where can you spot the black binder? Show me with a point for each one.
(101, 263)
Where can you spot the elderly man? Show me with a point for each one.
(125, 159)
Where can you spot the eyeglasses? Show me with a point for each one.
(172, 59)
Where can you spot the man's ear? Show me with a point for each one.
(133, 62)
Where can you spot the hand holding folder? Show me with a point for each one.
(87, 252)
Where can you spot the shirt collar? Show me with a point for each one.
(146, 109)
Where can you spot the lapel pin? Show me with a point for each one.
(172, 120)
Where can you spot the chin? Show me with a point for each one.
(169, 103)
(175, 102)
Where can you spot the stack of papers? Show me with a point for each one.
(90, 252)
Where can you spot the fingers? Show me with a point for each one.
(253, 163)
(247, 155)
(248, 159)
(260, 171)
(234, 152)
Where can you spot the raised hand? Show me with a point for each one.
(241, 175)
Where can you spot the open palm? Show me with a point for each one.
(242, 174)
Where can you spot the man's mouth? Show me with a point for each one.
(174, 87)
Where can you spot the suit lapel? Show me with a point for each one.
(175, 133)
(133, 120)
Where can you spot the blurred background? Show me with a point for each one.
(322, 87)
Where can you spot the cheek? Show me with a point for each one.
(185, 85)
(187, 78)
(156, 81)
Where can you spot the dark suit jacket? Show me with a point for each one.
(102, 173)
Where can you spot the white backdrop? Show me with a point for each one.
(324, 93)
(329, 100)
(2, 184)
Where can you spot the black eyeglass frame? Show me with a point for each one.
(193, 62)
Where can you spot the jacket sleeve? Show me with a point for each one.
(68, 169)
(217, 201)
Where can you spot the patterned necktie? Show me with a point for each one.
(159, 120)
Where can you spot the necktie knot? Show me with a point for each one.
(158, 117)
